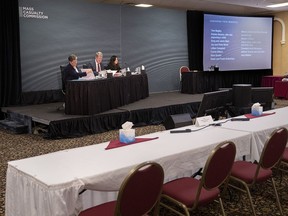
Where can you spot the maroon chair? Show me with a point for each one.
(248, 174)
(189, 193)
(284, 159)
(184, 69)
(283, 165)
(139, 193)
(285, 155)
(63, 86)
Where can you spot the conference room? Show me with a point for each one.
(162, 38)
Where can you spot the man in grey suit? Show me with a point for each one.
(97, 65)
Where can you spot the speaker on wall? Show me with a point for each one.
(176, 121)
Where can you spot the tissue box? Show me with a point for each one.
(127, 136)
(257, 111)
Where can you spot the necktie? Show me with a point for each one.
(99, 69)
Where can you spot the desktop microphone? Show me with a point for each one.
(181, 131)
(240, 119)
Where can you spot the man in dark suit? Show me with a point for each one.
(96, 65)
(71, 71)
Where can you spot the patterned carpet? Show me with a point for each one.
(18, 146)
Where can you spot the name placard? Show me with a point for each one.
(203, 121)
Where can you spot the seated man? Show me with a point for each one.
(96, 65)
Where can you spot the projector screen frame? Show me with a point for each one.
(245, 65)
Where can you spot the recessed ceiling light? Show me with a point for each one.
(143, 5)
(278, 5)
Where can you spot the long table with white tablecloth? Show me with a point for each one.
(50, 184)
(260, 128)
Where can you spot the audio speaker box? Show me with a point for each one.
(242, 95)
(176, 121)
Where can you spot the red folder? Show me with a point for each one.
(250, 116)
(117, 143)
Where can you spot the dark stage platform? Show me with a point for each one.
(150, 111)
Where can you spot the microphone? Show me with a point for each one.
(181, 131)
(127, 68)
(240, 119)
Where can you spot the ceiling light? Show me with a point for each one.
(143, 5)
(278, 5)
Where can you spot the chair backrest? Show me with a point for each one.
(219, 164)
(62, 69)
(184, 69)
(274, 148)
(141, 190)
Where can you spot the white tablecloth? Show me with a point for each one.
(49, 184)
(260, 128)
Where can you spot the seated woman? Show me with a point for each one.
(72, 71)
(113, 64)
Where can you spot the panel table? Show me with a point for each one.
(200, 82)
(269, 81)
(88, 97)
(281, 89)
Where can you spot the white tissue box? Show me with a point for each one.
(127, 136)
(257, 111)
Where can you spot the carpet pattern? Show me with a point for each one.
(18, 146)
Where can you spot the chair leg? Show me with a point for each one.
(175, 202)
(281, 169)
(277, 197)
(222, 207)
(278, 171)
(247, 190)
(250, 199)
(61, 107)
(225, 188)
(156, 209)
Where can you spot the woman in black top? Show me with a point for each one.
(113, 64)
